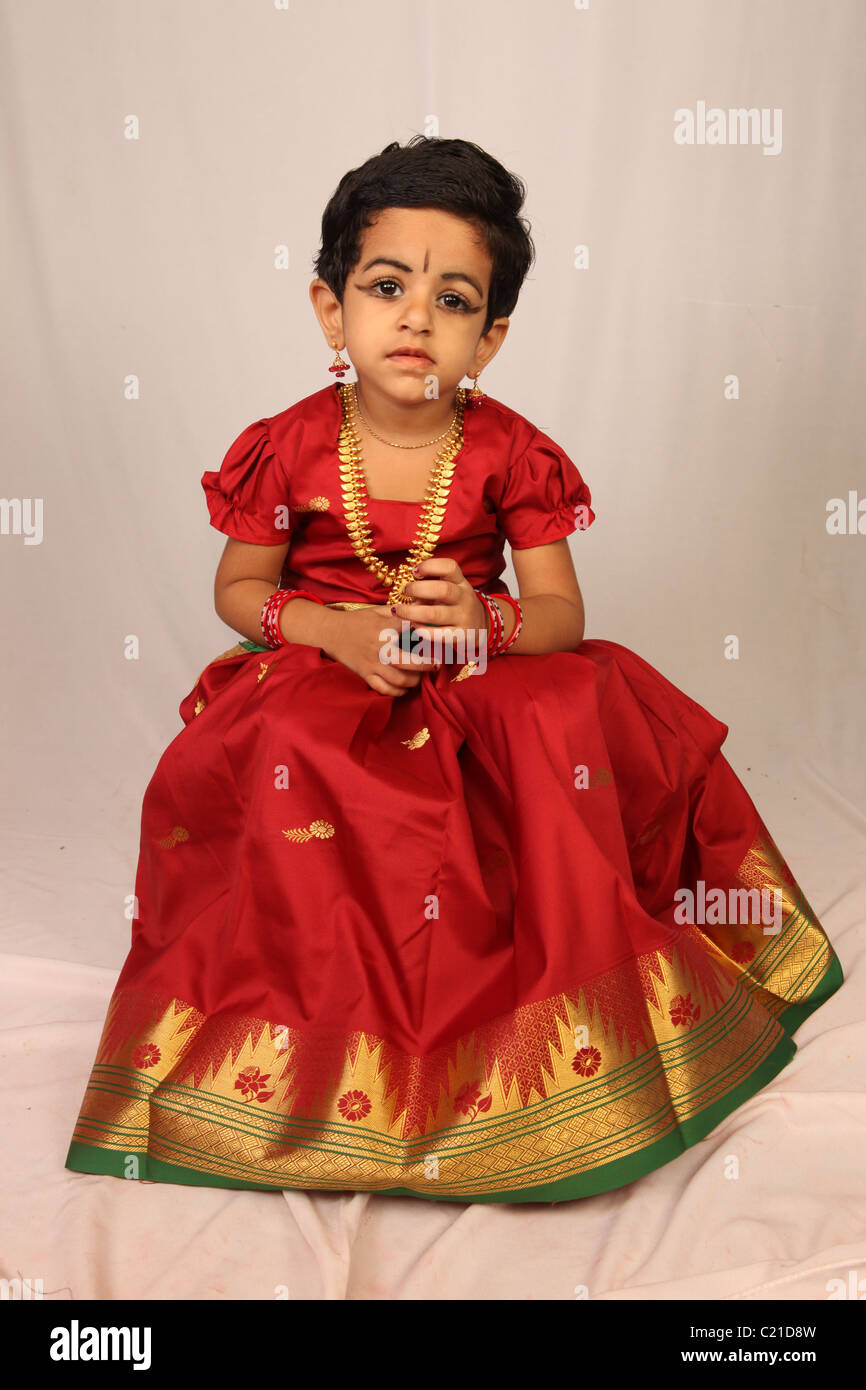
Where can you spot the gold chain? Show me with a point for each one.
(435, 440)
(354, 488)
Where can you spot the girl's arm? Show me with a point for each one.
(246, 575)
(553, 612)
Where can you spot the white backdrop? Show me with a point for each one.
(155, 258)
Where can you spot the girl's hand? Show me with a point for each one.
(443, 603)
(358, 644)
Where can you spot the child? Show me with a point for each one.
(490, 922)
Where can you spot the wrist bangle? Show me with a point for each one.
(495, 623)
(518, 620)
(497, 642)
(270, 619)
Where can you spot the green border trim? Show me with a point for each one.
(89, 1158)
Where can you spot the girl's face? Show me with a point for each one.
(421, 283)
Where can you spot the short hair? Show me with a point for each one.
(428, 171)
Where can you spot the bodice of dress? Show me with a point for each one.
(280, 481)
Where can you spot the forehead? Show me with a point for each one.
(415, 234)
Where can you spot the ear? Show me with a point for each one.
(490, 343)
(328, 310)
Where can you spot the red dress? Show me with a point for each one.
(439, 944)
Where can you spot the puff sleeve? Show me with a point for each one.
(248, 496)
(544, 497)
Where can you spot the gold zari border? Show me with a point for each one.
(559, 1087)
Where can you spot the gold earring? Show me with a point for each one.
(338, 365)
(475, 396)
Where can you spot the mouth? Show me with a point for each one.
(409, 355)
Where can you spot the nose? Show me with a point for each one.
(415, 309)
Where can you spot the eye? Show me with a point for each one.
(386, 281)
(458, 305)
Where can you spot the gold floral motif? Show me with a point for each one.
(199, 705)
(264, 667)
(417, 740)
(354, 493)
(318, 830)
(177, 836)
(315, 504)
(467, 670)
(601, 777)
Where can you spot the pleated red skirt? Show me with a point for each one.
(518, 935)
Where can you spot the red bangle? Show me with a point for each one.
(270, 619)
(495, 623)
(488, 609)
(518, 614)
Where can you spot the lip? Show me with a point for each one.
(403, 355)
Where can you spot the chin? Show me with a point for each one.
(405, 385)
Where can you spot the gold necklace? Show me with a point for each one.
(354, 489)
(435, 440)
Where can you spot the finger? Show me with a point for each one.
(397, 673)
(409, 655)
(407, 664)
(441, 635)
(435, 613)
(381, 687)
(431, 591)
(405, 658)
(387, 686)
(440, 566)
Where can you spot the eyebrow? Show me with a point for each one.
(446, 274)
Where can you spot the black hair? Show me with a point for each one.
(454, 175)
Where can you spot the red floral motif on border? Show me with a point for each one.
(354, 1105)
(684, 1011)
(146, 1055)
(251, 1083)
(586, 1061)
(469, 1100)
